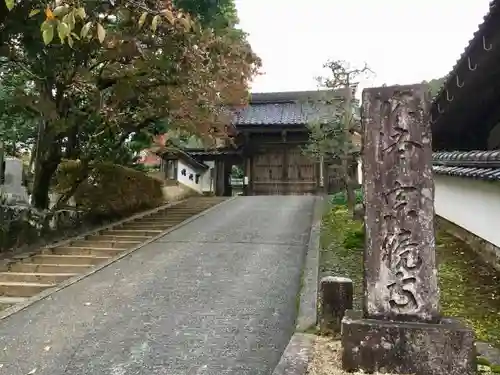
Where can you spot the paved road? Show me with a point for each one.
(217, 296)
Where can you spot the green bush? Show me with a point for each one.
(109, 191)
(340, 198)
(354, 238)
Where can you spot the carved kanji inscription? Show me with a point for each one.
(400, 271)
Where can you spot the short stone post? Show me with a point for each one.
(400, 329)
(336, 298)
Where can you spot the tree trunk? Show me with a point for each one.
(351, 196)
(47, 160)
(41, 184)
(348, 184)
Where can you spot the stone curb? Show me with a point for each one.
(308, 311)
(296, 357)
(48, 292)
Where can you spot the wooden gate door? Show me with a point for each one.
(283, 171)
(302, 173)
(267, 172)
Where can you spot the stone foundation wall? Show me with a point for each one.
(488, 252)
(178, 192)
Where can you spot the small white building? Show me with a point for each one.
(180, 167)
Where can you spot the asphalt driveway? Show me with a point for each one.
(217, 296)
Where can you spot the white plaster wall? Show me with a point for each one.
(206, 181)
(471, 204)
(185, 179)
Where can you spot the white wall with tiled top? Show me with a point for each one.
(207, 181)
(186, 174)
(471, 204)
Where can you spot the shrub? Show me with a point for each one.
(23, 225)
(340, 198)
(354, 238)
(109, 191)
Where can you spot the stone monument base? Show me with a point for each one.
(382, 346)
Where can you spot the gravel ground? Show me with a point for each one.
(217, 296)
(327, 359)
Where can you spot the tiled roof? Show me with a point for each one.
(464, 111)
(211, 152)
(273, 114)
(487, 22)
(282, 108)
(484, 165)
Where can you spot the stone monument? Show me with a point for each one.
(12, 188)
(400, 329)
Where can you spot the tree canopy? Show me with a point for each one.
(92, 81)
(435, 85)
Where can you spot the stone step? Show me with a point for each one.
(131, 232)
(48, 268)
(174, 214)
(20, 289)
(169, 221)
(151, 220)
(122, 238)
(105, 244)
(11, 301)
(168, 216)
(32, 277)
(89, 260)
(154, 223)
(147, 226)
(77, 251)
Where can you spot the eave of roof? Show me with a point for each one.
(463, 88)
(292, 96)
(212, 152)
(181, 154)
(474, 41)
(483, 165)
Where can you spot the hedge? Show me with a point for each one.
(109, 190)
(109, 193)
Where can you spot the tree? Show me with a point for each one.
(330, 133)
(149, 71)
(17, 128)
(434, 85)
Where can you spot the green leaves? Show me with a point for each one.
(85, 30)
(47, 32)
(63, 30)
(10, 4)
(34, 12)
(142, 19)
(101, 33)
(155, 22)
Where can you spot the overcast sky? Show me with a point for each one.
(402, 41)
